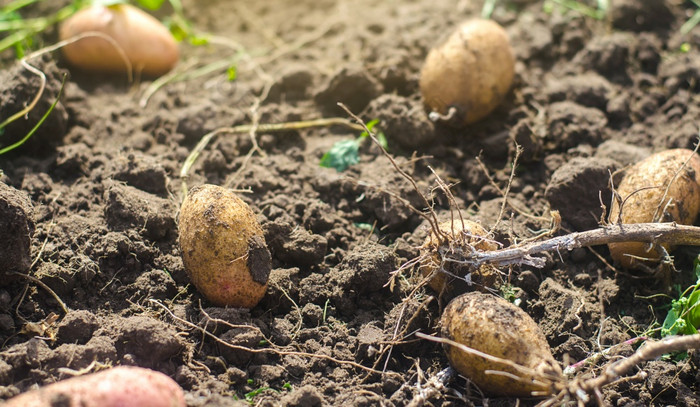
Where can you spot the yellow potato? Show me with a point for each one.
(472, 71)
(465, 236)
(494, 326)
(223, 247)
(147, 43)
(648, 197)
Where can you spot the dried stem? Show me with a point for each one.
(273, 350)
(649, 351)
(671, 233)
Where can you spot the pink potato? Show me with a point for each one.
(123, 386)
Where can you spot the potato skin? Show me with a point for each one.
(460, 234)
(117, 387)
(472, 70)
(496, 327)
(223, 247)
(684, 195)
(147, 43)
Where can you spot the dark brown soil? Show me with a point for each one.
(99, 187)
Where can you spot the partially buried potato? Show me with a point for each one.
(146, 43)
(664, 187)
(223, 247)
(471, 71)
(494, 326)
(448, 276)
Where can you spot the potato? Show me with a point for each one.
(223, 247)
(147, 43)
(460, 235)
(117, 387)
(471, 71)
(494, 326)
(680, 204)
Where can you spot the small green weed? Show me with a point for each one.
(250, 396)
(510, 294)
(684, 316)
(345, 153)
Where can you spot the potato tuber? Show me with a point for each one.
(223, 247)
(121, 386)
(471, 71)
(146, 43)
(494, 326)
(661, 188)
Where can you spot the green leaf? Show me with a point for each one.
(342, 155)
(10, 16)
(364, 226)
(251, 395)
(178, 33)
(370, 125)
(151, 4)
(693, 315)
(232, 73)
(198, 40)
(381, 138)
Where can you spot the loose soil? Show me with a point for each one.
(99, 186)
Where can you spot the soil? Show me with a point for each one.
(98, 189)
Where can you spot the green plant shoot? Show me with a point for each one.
(345, 153)
(29, 134)
(684, 316)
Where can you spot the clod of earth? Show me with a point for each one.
(223, 247)
(16, 229)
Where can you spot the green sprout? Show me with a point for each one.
(488, 7)
(29, 134)
(684, 316)
(252, 394)
(693, 20)
(345, 153)
(509, 293)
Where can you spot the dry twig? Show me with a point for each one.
(273, 350)
(671, 233)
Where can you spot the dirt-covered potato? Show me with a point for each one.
(223, 247)
(494, 326)
(447, 276)
(654, 190)
(146, 43)
(471, 71)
